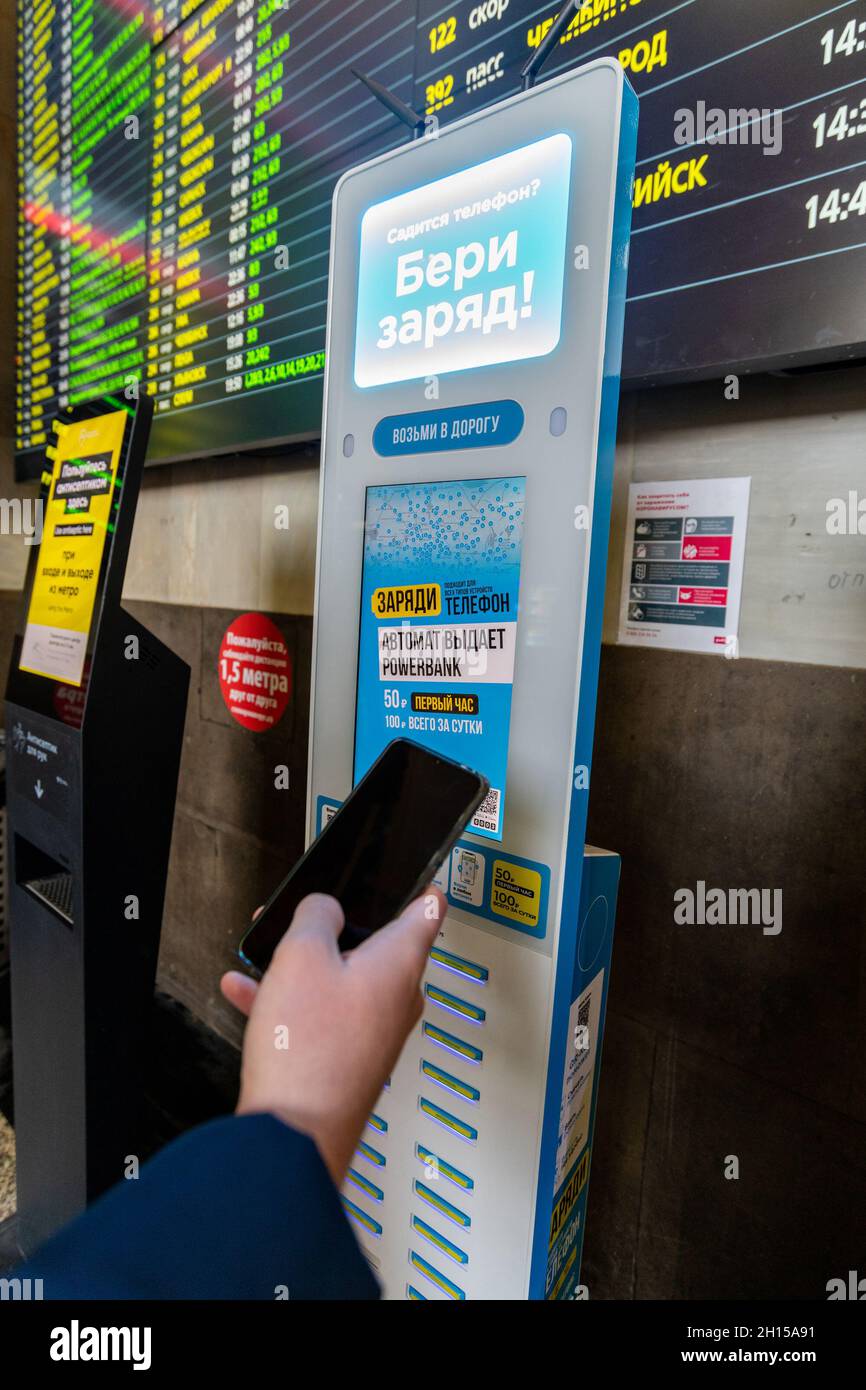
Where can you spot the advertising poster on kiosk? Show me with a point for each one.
(438, 625)
(76, 523)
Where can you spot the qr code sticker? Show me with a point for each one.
(487, 815)
(583, 1012)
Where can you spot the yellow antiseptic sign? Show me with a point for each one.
(74, 531)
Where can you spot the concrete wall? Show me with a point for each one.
(802, 440)
(205, 534)
(723, 1041)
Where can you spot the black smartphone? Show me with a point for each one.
(379, 850)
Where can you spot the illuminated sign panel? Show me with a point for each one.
(466, 271)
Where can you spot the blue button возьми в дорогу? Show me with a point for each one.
(453, 427)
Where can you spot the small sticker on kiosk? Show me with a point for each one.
(516, 892)
(453, 427)
(475, 877)
(443, 702)
(467, 876)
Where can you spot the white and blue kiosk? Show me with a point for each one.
(476, 305)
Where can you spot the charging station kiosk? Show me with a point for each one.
(95, 708)
(475, 313)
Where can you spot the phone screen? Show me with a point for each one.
(379, 849)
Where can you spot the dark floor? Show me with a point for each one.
(191, 1075)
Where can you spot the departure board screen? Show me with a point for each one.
(83, 137)
(749, 236)
(177, 162)
(256, 115)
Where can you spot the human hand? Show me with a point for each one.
(325, 1030)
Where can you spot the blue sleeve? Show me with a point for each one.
(239, 1208)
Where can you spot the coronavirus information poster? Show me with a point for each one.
(439, 623)
(683, 567)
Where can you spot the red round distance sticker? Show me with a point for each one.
(255, 671)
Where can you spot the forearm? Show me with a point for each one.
(241, 1208)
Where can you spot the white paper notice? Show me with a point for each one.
(683, 569)
(575, 1107)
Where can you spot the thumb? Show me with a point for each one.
(399, 952)
(317, 924)
(239, 990)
